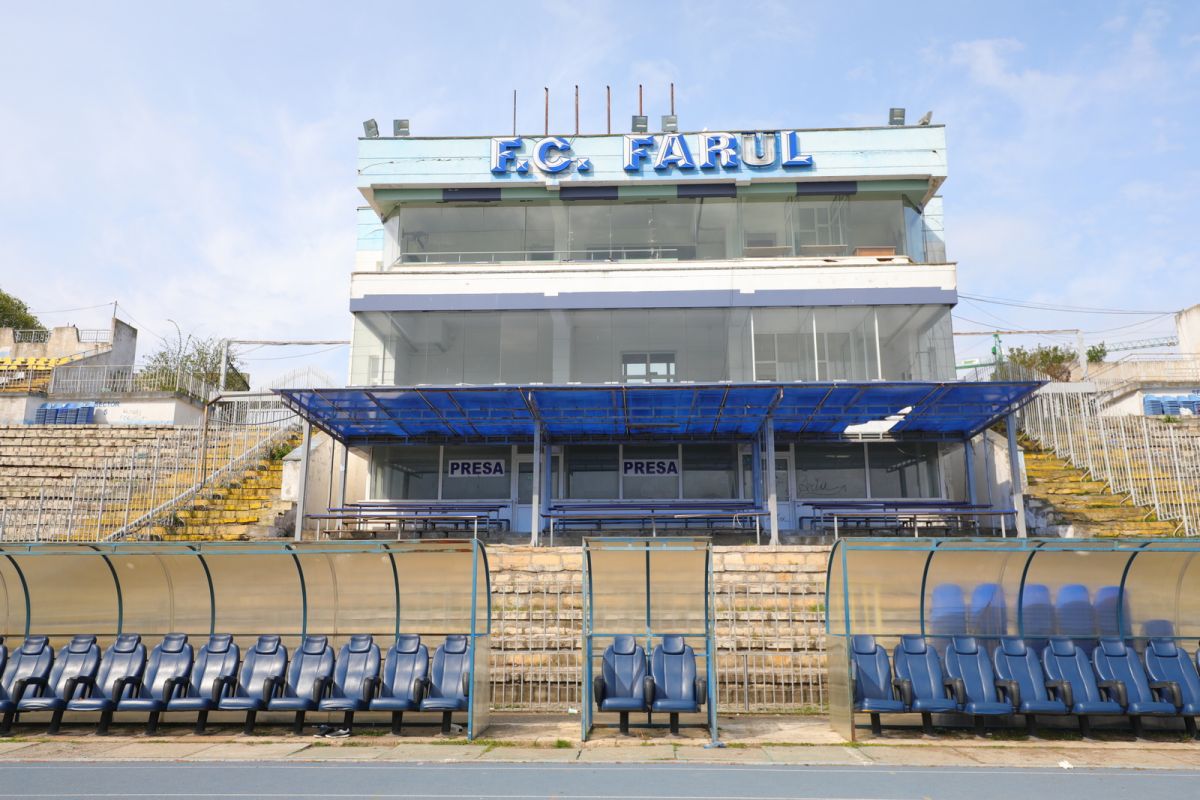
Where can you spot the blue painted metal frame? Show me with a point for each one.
(362, 416)
(649, 545)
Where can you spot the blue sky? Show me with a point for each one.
(195, 162)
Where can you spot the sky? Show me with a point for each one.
(195, 162)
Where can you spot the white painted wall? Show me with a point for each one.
(156, 411)
(19, 409)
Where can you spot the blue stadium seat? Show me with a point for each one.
(623, 685)
(262, 669)
(1167, 663)
(167, 669)
(215, 665)
(74, 669)
(1111, 612)
(988, 615)
(449, 679)
(676, 688)
(28, 666)
(875, 689)
(1158, 629)
(967, 662)
(1065, 662)
(121, 668)
(1037, 616)
(354, 682)
(947, 612)
(3, 656)
(1117, 663)
(1074, 616)
(1017, 662)
(932, 691)
(404, 677)
(307, 677)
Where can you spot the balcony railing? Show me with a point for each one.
(100, 380)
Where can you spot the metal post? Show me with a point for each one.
(37, 527)
(224, 364)
(103, 492)
(345, 468)
(969, 463)
(772, 500)
(535, 501)
(756, 472)
(1150, 468)
(302, 495)
(1016, 490)
(129, 489)
(71, 508)
(1178, 470)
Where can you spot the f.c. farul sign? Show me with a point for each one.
(661, 152)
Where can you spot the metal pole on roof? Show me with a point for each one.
(1016, 492)
(535, 501)
(302, 494)
(769, 477)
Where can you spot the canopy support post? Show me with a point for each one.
(535, 504)
(969, 466)
(769, 478)
(1016, 491)
(302, 494)
(345, 466)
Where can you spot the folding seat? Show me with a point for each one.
(987, 618)
(623, 685)
(216, 664)
(967, 662)
(307, 677)
(1017, 664)
(1111, 612)
(404, 678)
(676, 688)
(121, 669)
(1075, 618)
(933, 692)
(167, 669)
(1084, 697)
(1118, 663)
(75, 668)
(355, 679)
(1037, 616)
(1169, 666)
(263, 668)
(874, 687)
(449, 679)
(28, 666)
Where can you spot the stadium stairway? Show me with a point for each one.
(1061, 500)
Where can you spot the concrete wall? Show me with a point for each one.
(64, 342)
(993, 477)
(1187, 327)
(19, 409)
(169, 410)
(324, 478)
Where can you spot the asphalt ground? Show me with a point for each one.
(577, 781)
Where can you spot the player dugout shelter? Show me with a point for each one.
(1083, 589)
(337, 589)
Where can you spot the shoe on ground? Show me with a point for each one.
(339, 733)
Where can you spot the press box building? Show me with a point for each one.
(789, 283)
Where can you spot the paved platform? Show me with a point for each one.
(530, 738)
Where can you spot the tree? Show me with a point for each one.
(192, 357)
(1054, 361)
(1097, 353)
(15, 314)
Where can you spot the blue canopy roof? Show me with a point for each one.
(365, 415)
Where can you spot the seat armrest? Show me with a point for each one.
(648, 690)
(416, 692)
(955, 689)
(466, 684)
(120, 685)
(904, 688)
(170, 686)
(369, 686)
(598, 689)
(319, 687)
(1009, 690)
(1063, 691)
(85, 682)
(1168, 690)
(701, 691)
(220, 685)
(270, 685)
(1115, 690)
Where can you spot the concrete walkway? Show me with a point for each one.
(750, 740)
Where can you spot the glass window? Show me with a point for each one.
(650, 472)
(476, 473)
(830, 470)
(405, 473)
(648, 367)
(710, 471)
(914, 224)
(592, 472)
(525, 482)
(916, 343)
(766, 228)
(783, 345)
(876, 227)
(820, 226)
(846, 343)
(904, 470)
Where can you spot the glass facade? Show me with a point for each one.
(402, 348)
(753, 226)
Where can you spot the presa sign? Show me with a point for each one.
(475, 468)
(650, 466)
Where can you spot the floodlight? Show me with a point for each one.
(371, 129)
(670, 123)
(896, 116)
(399, 127)
(641, 123)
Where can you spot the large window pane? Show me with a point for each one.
(846, 343)
(453, 234)
(830, 470)
(405, 473)
(592, 472)
(783, 345)
(710, 471)
(916, 343)
(904, 470)
(766, 228)
(650, 472)
(476, 473)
